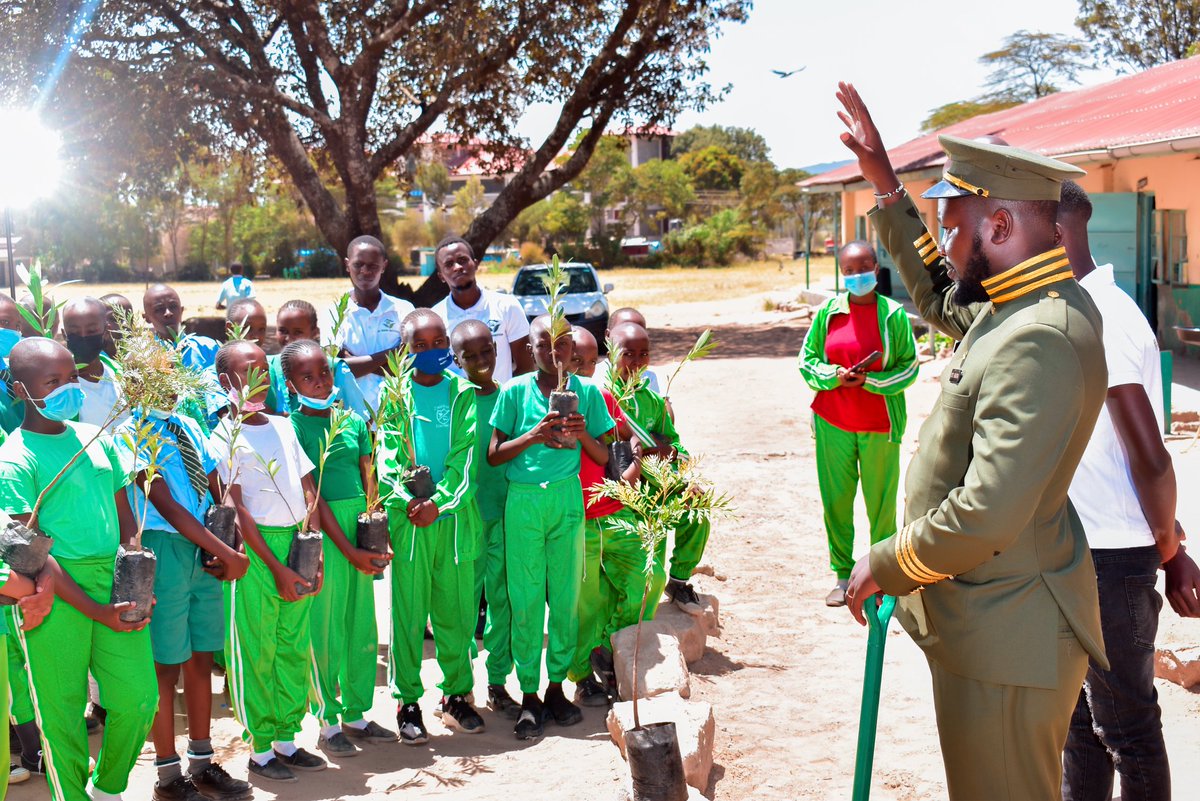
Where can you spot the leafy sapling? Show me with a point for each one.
(133, 572)
(561, 400)
(705, 344)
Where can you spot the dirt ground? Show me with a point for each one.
(786, 675)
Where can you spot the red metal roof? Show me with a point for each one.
(1156, 105)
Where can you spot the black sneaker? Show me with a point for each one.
(274, 770)
(214, 783)
(95, 718)
(602, 665)
(588, 692)
(35, 766)
(558, 707)
(302, 760)
(371, 733)
(529, 724)
(684, 596)
(337, 746)
(500, 702)
(481, 621)
(178, 789)
(459, 714)
(412, 727)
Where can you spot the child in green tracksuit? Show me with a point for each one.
(543, 518)
(428, 418)
(475, 352)
(614, 560)
(269, 636)
(344, 635)
(650, 412)
(88, 514)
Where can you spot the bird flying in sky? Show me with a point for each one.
(789, 74)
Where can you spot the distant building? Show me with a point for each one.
(1139, 139)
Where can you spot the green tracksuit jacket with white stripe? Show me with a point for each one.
(899, 356)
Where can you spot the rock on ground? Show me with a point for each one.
(1180, 664)
(661, 667)
(694, 725)
(688, 629)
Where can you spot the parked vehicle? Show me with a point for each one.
(585, 303)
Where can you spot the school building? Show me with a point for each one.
(1138, 137)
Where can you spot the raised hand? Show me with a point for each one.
(864, 141)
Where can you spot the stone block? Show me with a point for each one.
(1179, 664)
(688, 629)
(694, 724)
(661, 667)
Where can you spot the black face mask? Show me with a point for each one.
(85, 349)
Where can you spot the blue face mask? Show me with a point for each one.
(320, 404)
(8, 340)
(62, 404)
(433, 361)
(861, 284)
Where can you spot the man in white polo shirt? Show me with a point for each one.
(1124, 492)
(372, 325)
(502, 314)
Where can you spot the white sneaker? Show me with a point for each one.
(96, 794)
(17, 774)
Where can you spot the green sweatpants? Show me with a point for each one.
(842, 457)
(543, 526)
(491, 577)
(3, 692)
(625, 566)
(59, 653)
(429, 582)
(345, 640)
(595, 599)
(21, 708)
(690, 538)
(268, 650)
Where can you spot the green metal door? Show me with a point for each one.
(1121, 233)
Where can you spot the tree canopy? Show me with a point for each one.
(745, 143)
(1032, 65)
(339, 94)
(713, 167)
(1140, 34)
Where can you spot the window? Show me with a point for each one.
(580, 279)
(1170, 246)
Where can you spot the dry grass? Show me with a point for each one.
(631, 286)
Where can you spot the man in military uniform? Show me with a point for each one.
(992, 565)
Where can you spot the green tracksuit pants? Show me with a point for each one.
(4, 683)
(21, 708)
(691, 536)
(430, 582)
(345, 640)
(843, 457)
(625, 566)
(491, 578)
(59, 654)
(543, 527)
(268, 650)
(595, 599)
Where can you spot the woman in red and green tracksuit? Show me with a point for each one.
(858, 415)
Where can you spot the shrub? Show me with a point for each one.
(194, 270)
(532, 253)
(715, 241)
(105, 271)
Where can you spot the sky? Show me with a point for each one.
(905, 59)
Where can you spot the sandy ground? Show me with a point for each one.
(785, 677)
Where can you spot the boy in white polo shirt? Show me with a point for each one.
(372, 325)
(502, 314)
(1124, 491)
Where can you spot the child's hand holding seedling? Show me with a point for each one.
(422, 513)
(286, 580)
(364, 561)
(39, 600)
(110, 615)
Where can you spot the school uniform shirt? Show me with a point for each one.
(491, 482)
(12, 410)
(198, 352)
(367, 331)
(341, 477)
(100, 399)
(272, 501)
(79, 513)
(235, 288)
(171, 468)
(522, 406)
(1102, 490)
(591, 473)
(503, 316)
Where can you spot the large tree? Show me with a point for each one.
(1033, 64)
(745, 143)
(1141, 33)
(340, 93)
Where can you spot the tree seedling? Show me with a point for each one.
(397, 417)
(133, 572)
(561, 400)
(705, 344)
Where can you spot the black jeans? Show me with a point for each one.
(1117, 723)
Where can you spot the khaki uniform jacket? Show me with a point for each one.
(990, 539)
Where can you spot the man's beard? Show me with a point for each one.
(969, 289)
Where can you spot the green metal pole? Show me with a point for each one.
(868, 717)
(1168, 376)
(807, 245)
(837, 246)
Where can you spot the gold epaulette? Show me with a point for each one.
(1041, 270)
